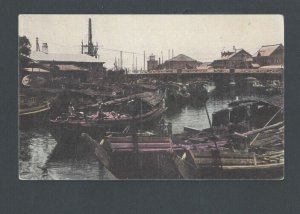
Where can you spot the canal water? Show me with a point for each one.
(36, 144)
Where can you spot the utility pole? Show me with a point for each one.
(116, 63)
(136, 63)
(132, 61)
(121, 59)
(144, 60)
(37, 44)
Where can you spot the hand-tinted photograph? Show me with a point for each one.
(109, 97)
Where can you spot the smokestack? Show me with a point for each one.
(234, 49)
(37, 46)
(45, 48)
(172, 53)
(169, 53)
(90, 30)
(159, 60)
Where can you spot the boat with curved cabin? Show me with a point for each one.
(32, 109)
(114, 115)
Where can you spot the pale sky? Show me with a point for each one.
(201, 37)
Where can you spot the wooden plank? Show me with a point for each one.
(256, 131)
(140, 139)
(145, 145)
(190, 129)
(224, 161)
(148, 150)
(222, 154)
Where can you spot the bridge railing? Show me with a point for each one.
(213, 70)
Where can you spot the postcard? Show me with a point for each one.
(117, 97)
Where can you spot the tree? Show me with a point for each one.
(24, 51)
(24, 45)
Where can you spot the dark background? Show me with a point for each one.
(146, 196)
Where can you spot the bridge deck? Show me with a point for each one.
(212, 71)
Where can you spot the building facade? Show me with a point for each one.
(152, 63)
(233, 59)
(181, 61)
(270, 55)
(80, 67)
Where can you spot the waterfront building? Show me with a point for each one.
(238, 58)
(181, 61)
(270, 55)
(75, 66)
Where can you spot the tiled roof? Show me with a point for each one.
(182, 58)
(41, 56)
(232, 54)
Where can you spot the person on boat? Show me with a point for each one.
(71, 110)
(163, 103)
(101, 107)
(248, 117)
(169, 126)
(162, 127)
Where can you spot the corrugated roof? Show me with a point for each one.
(182, 57)
(267, 50)
(41, 56)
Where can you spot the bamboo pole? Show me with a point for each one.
(266, 125)
(258, 131)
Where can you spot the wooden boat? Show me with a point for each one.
(251, 113)
(271, 87)
(209, 86)
(198, 91)
(133, 88)
(176, 93)
(32, 110)
(136, 157)
(238, 151)
(261, 159)
(233, 169)
(114, 115)
(274, 87)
